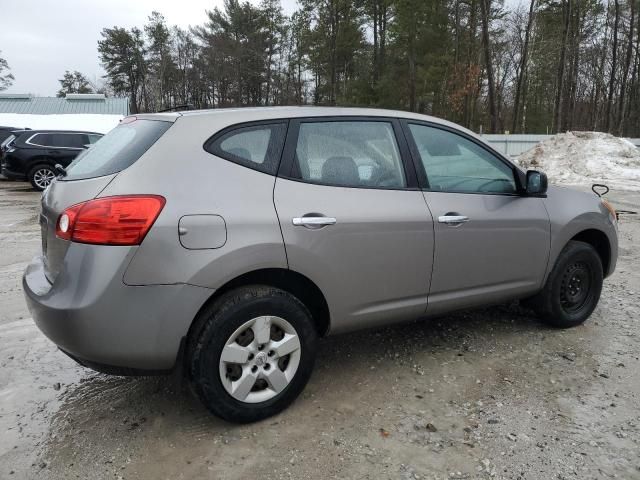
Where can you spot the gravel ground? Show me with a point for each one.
(483, 394)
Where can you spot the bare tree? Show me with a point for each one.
(627, 67)
(485, 10)
(522, 70)
(614, 65)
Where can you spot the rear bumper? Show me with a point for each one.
(90, 314)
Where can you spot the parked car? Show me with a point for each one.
(33, 154)
(230, 241)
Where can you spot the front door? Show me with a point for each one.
(351, 223)
(491, 243)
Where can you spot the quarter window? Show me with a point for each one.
(349, 154)
(455, 164)
(256, 146)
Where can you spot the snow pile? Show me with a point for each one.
(85, 121)
(585, 158)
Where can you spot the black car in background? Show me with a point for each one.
(33, 154)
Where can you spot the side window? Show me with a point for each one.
(93, 138)
(257, 146)
(455, 164)
(349, 154)
(69, 140)
(42, 139)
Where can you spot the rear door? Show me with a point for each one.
(353, 219)
(491, 242)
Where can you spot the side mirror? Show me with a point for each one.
(536, 183)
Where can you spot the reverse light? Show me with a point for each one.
(118, 220)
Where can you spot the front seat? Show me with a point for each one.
(340, 171)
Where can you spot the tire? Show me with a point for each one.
(41, 175)
(565, 301)
(236, 325)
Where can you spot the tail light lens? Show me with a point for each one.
(120, 220)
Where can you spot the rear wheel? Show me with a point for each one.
(41, 176)
(573, 287)
(252, 353)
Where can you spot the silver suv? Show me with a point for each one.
(229, 241)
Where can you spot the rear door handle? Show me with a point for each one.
(313, 221)
(453, 219)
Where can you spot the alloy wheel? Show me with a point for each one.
(43, 177)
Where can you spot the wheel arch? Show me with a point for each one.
(290, 281)
(40, 160)
(600, 242)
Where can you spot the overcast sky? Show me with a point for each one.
(40, 39)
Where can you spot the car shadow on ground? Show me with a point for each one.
(124, 404)
(14, 186)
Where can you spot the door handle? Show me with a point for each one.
(453, 219)
(311, 222)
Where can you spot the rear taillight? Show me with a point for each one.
(120, 220)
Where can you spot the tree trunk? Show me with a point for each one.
(485, 10)
(412, 75)
(523, 67)
(566, 15)
(376, 26)
(627, 67)
(572, 86)
(471, 64)
(614, 61)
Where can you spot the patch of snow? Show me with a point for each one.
(86, 121)
(585, 158)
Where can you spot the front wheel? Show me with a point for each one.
(573, 287)
(252, 353)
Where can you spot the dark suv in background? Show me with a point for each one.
(33, 154)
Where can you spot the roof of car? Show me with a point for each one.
(302, 111)
(60, 131)
(311, 111)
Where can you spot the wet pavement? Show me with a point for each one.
(485, 394)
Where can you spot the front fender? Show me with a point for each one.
(571, 213)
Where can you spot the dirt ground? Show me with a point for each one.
(485, 394)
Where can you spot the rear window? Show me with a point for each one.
(4, 134)
(117, 150)
(7, 141)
